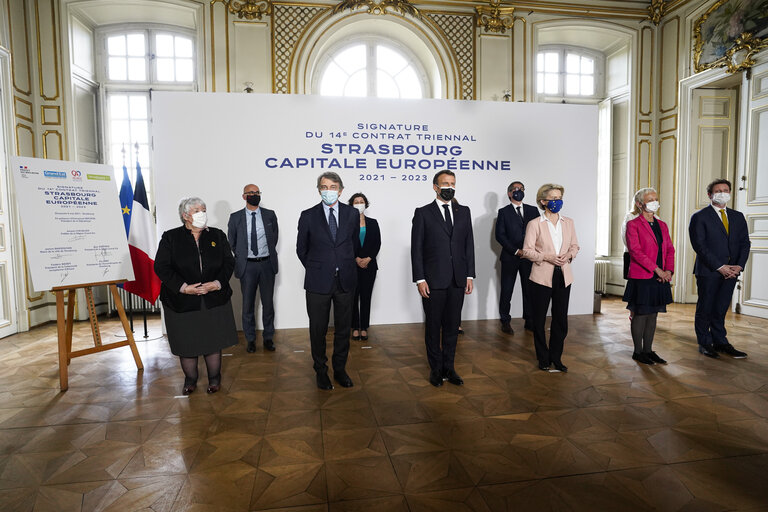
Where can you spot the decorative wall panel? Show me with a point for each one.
(459, 30)
(289, 22)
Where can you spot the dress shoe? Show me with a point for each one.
(435, 378)
(731, 351)
(461, 331)
(251, 347)
(356, 337)
(214, 384)
(364, 337)
(709, 351)
(269, 345)
(453, 377)
(560, 367)
(323, 382)
(544, 367)
(343, 379)
(189, 386)
(653, 356)
(506, 328)
(642, 357)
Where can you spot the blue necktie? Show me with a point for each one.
(332, 224)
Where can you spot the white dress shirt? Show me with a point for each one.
(555, 231)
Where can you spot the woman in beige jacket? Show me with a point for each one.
(551, 244)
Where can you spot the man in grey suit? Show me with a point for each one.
(252, 233)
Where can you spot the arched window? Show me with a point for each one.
(372, 68)
(569, 72)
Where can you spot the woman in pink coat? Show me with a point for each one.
(651, 265)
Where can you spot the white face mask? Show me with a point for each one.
(199, 220)
(721, 197)
(652, 206)
(360, 207)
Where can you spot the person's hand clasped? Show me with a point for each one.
(210, 286)
(423, 288)
(195, 289)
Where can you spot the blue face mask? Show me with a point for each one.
(555, 205)
(329, 196)
(518, 195)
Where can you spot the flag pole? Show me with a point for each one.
(143, 301)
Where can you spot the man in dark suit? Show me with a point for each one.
(325, 246)
(443, 264)
(510, 233)
(252, 233)
(720, 238)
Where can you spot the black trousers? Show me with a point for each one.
(715, 294)
(361, 305)
(509, 271)
(541, 296)
(319, 310)
(258, 275)
(442, 311)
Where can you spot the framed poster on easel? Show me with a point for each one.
(75, 238)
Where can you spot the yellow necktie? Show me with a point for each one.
(725, 220)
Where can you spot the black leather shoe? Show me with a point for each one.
(506, 328)
(435, 378)
(189, 386)
(364, 337)
(214, 384)
(461, 331)
(560, 367)
(251, 347)
(731, 351)
(343, 379)
(543, 367)
(642, 357)
(356, 337)
(269, 345)
(653, 356)
(453, 377)
(323, 382)
(709, 351)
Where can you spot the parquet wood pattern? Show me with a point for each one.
(608, 435)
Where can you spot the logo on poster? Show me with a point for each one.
(26, 172)
(55, 174)
(76, 175)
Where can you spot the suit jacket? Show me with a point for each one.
(372, 243)
(237, 232)
(178, 261)
(538, 243)
(643, 248)
(321, 255)
(510, 229)
(442, 258)
(713, 246)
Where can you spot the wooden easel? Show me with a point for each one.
(65, 324)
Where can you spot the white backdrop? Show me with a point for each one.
(211, 145)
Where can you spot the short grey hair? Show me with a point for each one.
(640, 198)
(330, 176)
(187, 204)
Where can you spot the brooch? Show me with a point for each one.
(213, 244)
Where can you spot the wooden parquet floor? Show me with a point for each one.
(608, 435)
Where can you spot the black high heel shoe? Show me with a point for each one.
(356, 337)
(214, 384)
(363, 337)
(190, 386)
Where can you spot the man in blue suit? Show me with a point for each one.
(720, 238)
(510, 233)
(252, 233)
(325, 246)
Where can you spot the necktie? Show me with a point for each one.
(332, 224)
(519, 212)
(725, 221)
(254, 236)
(448, 221)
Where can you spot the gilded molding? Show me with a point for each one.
(46, 113)
(378, 8)
(656, 10)
(29, 106)
(494, 18)
(32, 137)
(459, 31)
(248, 9)
(26, 50)
(55, 43)
(45, 143)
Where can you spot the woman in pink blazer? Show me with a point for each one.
(551, 244)
(651, 265)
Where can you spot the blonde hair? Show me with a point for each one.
(544, 190)
(640, 198)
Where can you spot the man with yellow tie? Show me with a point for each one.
(720, 238)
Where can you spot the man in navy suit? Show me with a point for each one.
(720, 238)
(325, 246)
(443, 264)
(510, 233)
(252, 233)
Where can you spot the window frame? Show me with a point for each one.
(371, 42)
(561, 96)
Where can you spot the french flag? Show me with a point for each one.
(142, 244)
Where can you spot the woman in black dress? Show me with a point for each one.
(194, 263)
(367, 246)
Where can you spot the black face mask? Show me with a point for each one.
(253, 200)
(446, 194)
(518, 195)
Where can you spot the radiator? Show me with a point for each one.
(131, 301)
(602, 267)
